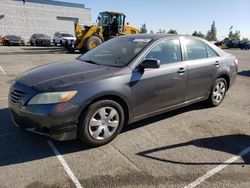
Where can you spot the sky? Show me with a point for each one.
(185, 16)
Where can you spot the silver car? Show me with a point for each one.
(63, 38)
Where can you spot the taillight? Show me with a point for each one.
(236, 62)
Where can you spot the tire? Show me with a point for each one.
(218, 92)
(31, 43)
(101, 132)
(93, 42)
(55, 44)
(82, 50)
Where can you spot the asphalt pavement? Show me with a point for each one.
(189, 147)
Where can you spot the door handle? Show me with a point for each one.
(217, 64)
(181, 70)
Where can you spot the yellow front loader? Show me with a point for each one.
(109, 25)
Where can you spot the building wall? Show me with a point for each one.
(29, 18)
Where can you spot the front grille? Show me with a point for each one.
(16, 95)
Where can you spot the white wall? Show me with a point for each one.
(29, 18)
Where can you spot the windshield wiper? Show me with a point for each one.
(90, 61)
(93, 62)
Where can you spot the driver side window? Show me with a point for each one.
(167, 51)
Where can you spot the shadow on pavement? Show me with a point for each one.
(233, 144)
(19, 146)
(43, 48)
(244, 73)
(35, 50)
(196, 106)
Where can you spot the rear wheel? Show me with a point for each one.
(93, 42)
(218, 92)
(101, 123)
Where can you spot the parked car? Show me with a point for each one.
(10, 40)
(40, 40)
(245, 45)
(63, 38)
(121, 81)
(233, 44)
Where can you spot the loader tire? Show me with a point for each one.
(93, 42)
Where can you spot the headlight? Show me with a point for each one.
(52, 97)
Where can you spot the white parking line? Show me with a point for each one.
(64, 164)
(1, 68)
(218, 168)
(3, 98)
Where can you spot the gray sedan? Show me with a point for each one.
(124, 80)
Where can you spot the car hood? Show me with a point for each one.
(13, 39)
(50, 77)
(69, 38)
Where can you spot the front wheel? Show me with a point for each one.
(101, 123)
(55, 44)
(218, 92)
(93, 42)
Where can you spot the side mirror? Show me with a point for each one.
(150, 63)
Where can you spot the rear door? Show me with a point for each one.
(202, 64)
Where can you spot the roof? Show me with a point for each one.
(111, 12)
(160, 36)
(57, 3)
(152, 36)
(156, 36)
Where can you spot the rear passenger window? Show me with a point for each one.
(167, 51)
(195, 49)
(211, 52)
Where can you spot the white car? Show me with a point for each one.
(63, 38)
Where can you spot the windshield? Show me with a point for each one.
(41, 36)
(13, 37)
(66, 35)
(116, 52)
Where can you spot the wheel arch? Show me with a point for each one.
(227, 78)
(124, 104)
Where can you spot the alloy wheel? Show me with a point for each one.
(219, 92)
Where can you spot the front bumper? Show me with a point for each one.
(46, 120)
(43, 42)
(58, 121)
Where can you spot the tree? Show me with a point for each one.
(209, 36)
(235, 35)
(195, 33)
(161, 31)
(245, 39)
(200, 34)
(172, 31)
(213, 32)
(230, 35)
(143, 28)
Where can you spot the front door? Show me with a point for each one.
(156, 89)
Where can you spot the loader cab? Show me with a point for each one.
(112, 24)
